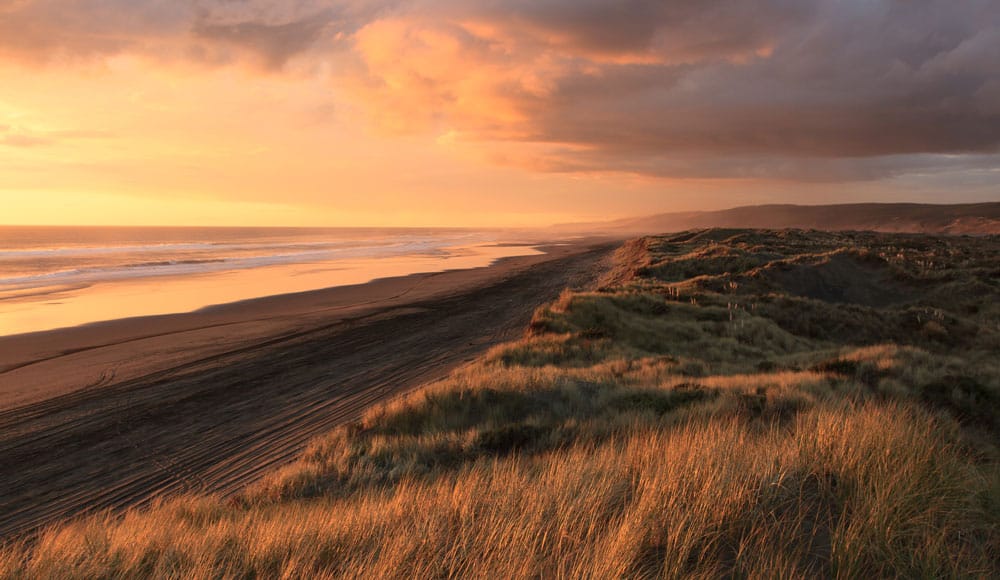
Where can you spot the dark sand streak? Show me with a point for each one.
(217, 423)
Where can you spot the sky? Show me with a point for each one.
(488, 112)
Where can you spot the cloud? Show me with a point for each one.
(39, 30)
(22, 137)
(657, 30)
(768, 88)
(17, 137)
(829, 90)
(35, 31)
(21, 140)
(275, 43)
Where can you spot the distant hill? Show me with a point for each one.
(972, 219)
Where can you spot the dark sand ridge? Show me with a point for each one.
(115, 414)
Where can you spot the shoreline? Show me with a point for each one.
(115, 415)
(32, 364)
(118, 292)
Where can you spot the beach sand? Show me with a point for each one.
(112, 415)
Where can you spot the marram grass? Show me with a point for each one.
(665, 426)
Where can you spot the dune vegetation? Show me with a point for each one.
(726, 403)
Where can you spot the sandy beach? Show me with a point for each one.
(112, 415)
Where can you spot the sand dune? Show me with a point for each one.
(208, 401)
(956, 219)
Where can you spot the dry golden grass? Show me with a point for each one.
(633, 433)
(873, 489)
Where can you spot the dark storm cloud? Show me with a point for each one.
(761, 87)
(674, 29)
(822, 89)
(275, 43)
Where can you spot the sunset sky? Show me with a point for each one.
(488, 112)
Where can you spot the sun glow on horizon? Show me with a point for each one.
(436, 115)
(78, 209)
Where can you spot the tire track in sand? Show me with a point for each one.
(219, 423)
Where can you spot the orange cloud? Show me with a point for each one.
(430, 74)
(404, 107)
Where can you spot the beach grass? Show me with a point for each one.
(727, 403)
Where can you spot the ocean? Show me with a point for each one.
(53, 277)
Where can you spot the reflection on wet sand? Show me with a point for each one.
(72, 306)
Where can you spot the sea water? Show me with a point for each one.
(53, 277)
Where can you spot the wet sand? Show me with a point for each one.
(112, 415)
(126, 293)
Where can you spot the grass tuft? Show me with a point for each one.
(723, 406)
